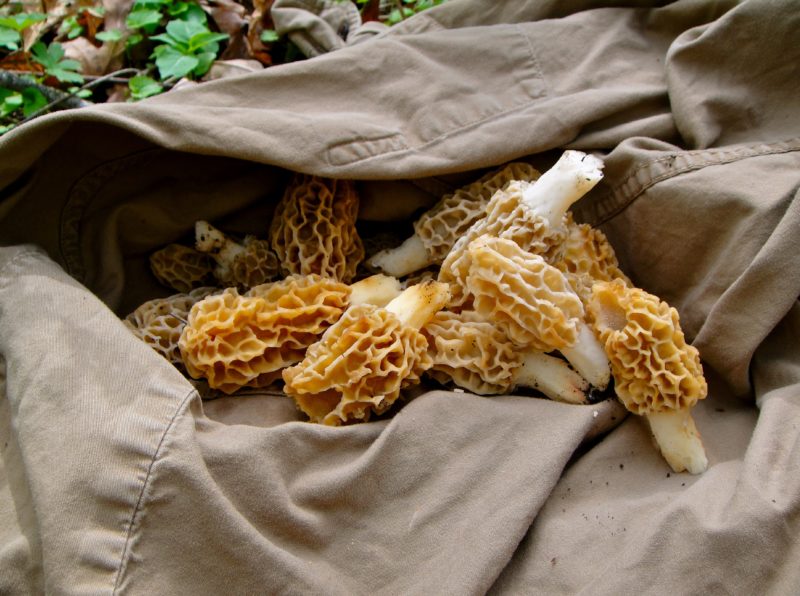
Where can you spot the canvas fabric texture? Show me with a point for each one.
(116, 477)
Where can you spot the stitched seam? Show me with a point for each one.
(132, 524)
(534, 60)
(714, 157)
(80, 196)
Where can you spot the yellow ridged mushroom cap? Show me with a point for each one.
(654, 368)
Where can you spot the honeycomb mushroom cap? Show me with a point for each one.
(450, 218)
(509, 217)
(654, 369)
(182, 268)
(358, 367)
(160, 322)
(255, 265)
(471, 352)
(313, 228)
(235, 340)
(587, 257)
(528, 299)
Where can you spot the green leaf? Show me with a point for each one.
(133, 40)
(138, 4)
(51, 58)
(47, 56)
(189, 11)
(22, 20)
(205, 60)
(199, 41)
(172, 63)
(183, 31)
(269, 36)
(70, 27)
(171, 41)
(10, 102)
(34, 100)
(78, 92)
(9, 39)
(65, 75)
(142, 86)
(138, 19)
(111, 35)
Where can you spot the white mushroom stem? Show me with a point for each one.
(222, 249)
(410, 256)
(553, 377)
(418, 303)
(677, 437)
(377, 289)
(572, 176)
(588, 357)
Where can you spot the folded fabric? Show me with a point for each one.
(118, 477)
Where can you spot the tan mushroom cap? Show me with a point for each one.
(443, 224)
(255, 265)
(654, 369)
(160, 322)
(358, 367)
(471, 352)
(182, 268)
(528, 299)
(509, 217)
(241, 265)
(313, 228)
(235, 341)
(587, 257)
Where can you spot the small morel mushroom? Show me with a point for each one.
(363, 361)
(182, 268)
(160, 322)
(587, 257)
(437, 230)
(656, 373)
(530, 214)
(533, 304)
(236, 340)
(313, 229)
(474, 354)
(240, 265)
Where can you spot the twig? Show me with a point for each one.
(12, 80)
(90, 78)
(94, 83)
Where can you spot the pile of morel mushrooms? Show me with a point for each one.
(497, 289)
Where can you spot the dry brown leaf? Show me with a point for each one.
(94, 60)
(260, 20)
(116, 11)
(20, 61)
(227, 14)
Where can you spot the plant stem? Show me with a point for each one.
(73, 94)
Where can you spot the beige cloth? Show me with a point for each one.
(118, 478)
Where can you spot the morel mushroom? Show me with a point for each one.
(160, 322)
(240, 265)
(587, 257)
(313, 229)
(474, 354)
(530, 214)
(656, 373)
(236, 340)
(182, 268)
(364, 360)
(533, 304)
(437, 230)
